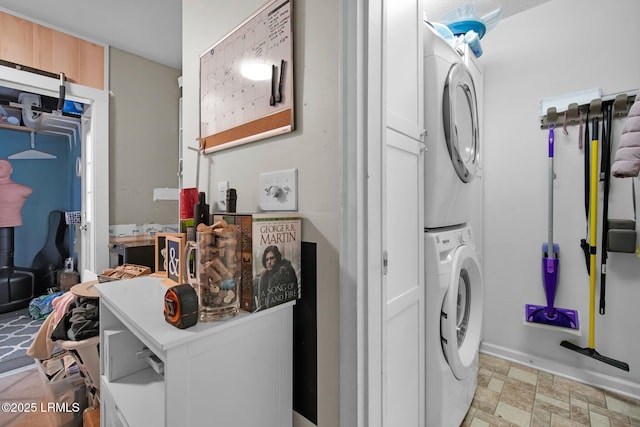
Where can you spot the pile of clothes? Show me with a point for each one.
(72, 318)
(41, 307)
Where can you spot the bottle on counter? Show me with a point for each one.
(201, 211)
(232, 197)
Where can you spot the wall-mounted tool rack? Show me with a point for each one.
(571, 114)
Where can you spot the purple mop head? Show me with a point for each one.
(552, 316)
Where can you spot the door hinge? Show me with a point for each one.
(385, 262)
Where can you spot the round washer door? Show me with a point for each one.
(461, 315)
(460, 120)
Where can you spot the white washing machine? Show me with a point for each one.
(453, 317)
(451, 121)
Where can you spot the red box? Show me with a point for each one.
(188, 198)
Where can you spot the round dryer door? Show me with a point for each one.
(460, 120)
(461, 315)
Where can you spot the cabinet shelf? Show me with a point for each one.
(138, 410)
(16, 127)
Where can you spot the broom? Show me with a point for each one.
(593, 222)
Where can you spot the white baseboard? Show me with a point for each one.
(578, 373)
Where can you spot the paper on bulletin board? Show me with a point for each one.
(246, 81)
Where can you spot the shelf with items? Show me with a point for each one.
(44, 121)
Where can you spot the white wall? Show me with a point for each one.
(312, 148)
(556, 48)
(143, 129)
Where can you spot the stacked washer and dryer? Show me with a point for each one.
(454, 288)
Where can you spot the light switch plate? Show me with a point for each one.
(278, 191)
(223, 186)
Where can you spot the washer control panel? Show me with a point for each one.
(448, 240)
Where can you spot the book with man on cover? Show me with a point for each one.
(277, 261)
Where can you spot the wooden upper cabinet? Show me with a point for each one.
(16, 39)
(32, 45)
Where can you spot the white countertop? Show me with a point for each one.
(140, 302)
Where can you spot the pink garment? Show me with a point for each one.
(627, 159)
(12, 197)
(60, 305)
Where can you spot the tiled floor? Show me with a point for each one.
(510, 394)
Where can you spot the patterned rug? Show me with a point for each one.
(17, 330)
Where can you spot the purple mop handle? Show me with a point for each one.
(551, 139)
(551, 245)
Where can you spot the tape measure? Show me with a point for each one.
(181, 306)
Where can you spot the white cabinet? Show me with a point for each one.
(403, 66)
(404, 332)
(238, 372)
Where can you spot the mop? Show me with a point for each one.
(593, 220)
(549, 314)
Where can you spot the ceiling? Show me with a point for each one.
(436, 9)
(152, 29)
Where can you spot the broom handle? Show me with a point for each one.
(593, 224)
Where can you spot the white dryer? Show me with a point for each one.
(452, 140)
(453, 316)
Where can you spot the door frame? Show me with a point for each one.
(362, 124)
(97, 240)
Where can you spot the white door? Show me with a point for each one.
(461, 313)
(403, 67)
(86, 257)
(382, 314)
(460, 117)
(476, 221)
(403, 330)
(404, 310)
(94, 168)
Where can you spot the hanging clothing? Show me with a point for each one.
(627, 159)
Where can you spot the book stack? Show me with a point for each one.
(270, 245)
